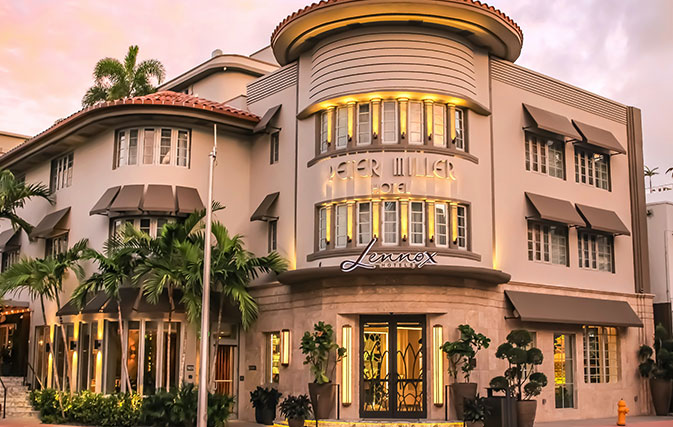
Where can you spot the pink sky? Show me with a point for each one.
(621, 49)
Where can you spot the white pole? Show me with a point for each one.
(205, 302)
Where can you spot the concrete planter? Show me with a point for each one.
(525, 412)
(295, 422)
(460, 392)
(323, 398)
(661, 395)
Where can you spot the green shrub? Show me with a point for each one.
(178, 408)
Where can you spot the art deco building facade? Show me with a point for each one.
(480, 192)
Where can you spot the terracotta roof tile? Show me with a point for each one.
(326, 3)
(166, 97)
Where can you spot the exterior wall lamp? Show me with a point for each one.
(346, 369)
(285, 347)
(437, 366)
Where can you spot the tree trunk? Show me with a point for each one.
(168, 339)
(125, 368)
(68, 362)
(215, 344)
(53, 358)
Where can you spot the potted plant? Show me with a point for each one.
(322, 352)
(520, 377)
(475, 411)
(264, 400)
(6, 360)
(296, 409)
(462, 355)
(659, 370)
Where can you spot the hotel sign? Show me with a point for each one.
(371, 260)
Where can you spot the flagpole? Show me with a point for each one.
(202, 418)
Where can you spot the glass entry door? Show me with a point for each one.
(392, 367)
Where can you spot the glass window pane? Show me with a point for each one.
(148, 147)
(364, 124)
(165, 147)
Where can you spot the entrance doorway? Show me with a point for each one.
(224, 370)
(392, 366)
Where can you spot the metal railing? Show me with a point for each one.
(34, 376)
(4, 399)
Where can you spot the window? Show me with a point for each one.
(415, 123)
(390, 222)
(600, 354)
(148, 146)
(592, 168)
(341, 127)
(56, 245)
(389, 124)
(547, 243)
(417, 223)
(182, 155)
(441, 224)
(595, 251)
(9, 258)
(564, 370)
(341, 226)
(273, 235)
(461, 227)
(364, 124)
(545, 156)
(273, 358)
(322, 229)
(61, 172)
(438, 125)
(148, 225)
(274, 148)
(324, 131)
(165, 146)
(364, 223)
(460, 129)
(133, 147)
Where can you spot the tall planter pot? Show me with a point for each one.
(460, 392)
(295, 422)
(661, 395)
(323, 398)
(525, 413)
(265, 415)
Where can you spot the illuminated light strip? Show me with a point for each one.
(346, 369)
(375, 217)
(350, 220)
(454, 222)
(452, 121)
(428, 117)
(285, 347)
(351, 119)
(328, 224)
(376, 105)
(403, 116)
(437, 366)
(330, 115)
(404, 220)
(431, 220)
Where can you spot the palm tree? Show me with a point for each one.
(115, 269)
(116, 80)
(14, 194)
(649, 173)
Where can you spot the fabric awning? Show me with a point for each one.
(552, 122)
(555, 210)
(9, 239)
(188, 200)
(128, 199)
(603, 220)
(547, 308)
(263, 125)
(599, 137)
(103, 204)
(263, 211)
(95, 304)
(69, 309)
(51, 225)
(158, 198)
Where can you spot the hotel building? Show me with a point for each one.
(481, 192)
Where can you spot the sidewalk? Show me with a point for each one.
(645, 421)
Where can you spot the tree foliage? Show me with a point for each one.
(463, 352)
(14, 193)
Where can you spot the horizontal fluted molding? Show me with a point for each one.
(272, 83)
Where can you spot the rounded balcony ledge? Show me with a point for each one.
(448, 252)
(437, 275)
(480, 24)
(397, 148)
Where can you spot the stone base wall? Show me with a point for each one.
(485, 308)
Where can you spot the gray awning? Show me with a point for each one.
(69, 309)
(159, 198)
(103, 204)
(555, 210)
(95, 304)
(128, 199)
(9, 240)
(603, 220)
(263, 125)
(163, 305)
(552, 122)
(51, 225)
(263, 211)
(188, 199)
(599, 137)
(547, 308)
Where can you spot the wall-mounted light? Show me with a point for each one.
(346, 372)
(437, 366)
(375, 218)
(431, 220)
(328, 224)
(454, 222)
(330, 121)
(428, 117)
(73, 345)
(97, 344)
(404, 220)
(452, 121)
(285, 347)
(351, 119)
(350, 221)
